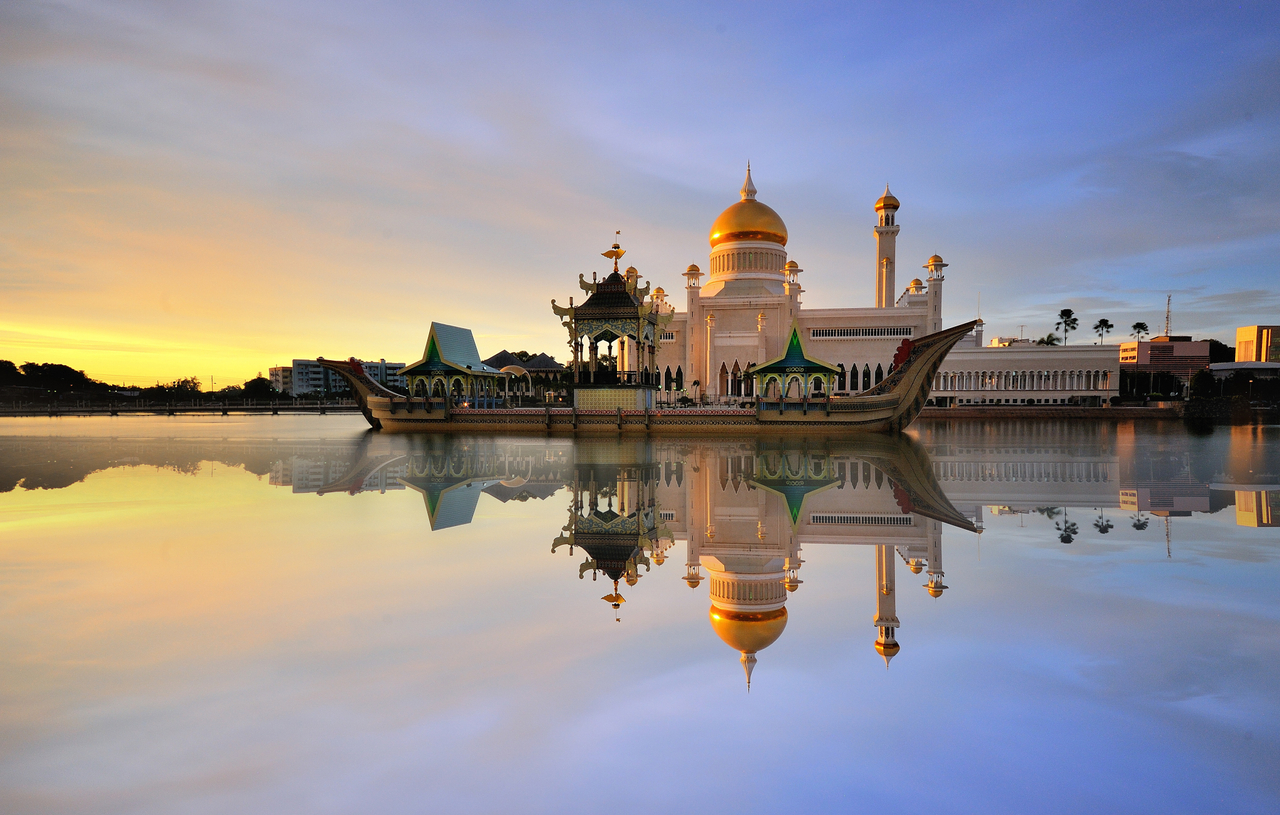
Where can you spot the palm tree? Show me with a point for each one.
(1102, 328)
(1103, 523)
(1139, 522)
(1048, 339)
(1067, 529)
(1139, 329)
(1067, 322)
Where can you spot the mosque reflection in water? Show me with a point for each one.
(743, 511)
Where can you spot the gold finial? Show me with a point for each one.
(615, 599)
(615, 252)
(748, 189)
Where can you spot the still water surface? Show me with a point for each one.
(277, 614)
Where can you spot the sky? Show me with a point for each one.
(211, 189)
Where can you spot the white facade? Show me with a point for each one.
(744, 312)
(308, 377)
(282, 379)
(1022, 373)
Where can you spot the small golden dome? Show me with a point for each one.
(748, 631)
(934, 259)
(887, 649)
(887, 201)
(693, 582)
(934, 590)
(917, 283)
(791, 264)
(915, 566)
(659, 291)
(692, 268)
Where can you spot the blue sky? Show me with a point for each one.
(214, 188)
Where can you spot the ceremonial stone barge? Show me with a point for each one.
(455, 392)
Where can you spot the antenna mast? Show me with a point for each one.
(1168, 303)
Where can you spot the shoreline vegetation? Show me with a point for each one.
(52, 389)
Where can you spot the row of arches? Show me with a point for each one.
(461, 390)
(1023, 381)
(1029, 471)
(853, 380)
(736, 381)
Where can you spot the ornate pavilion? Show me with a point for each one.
(451, 366)
(617, 310)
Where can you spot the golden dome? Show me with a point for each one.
(887, 201)
(887, 649)
(692, 268)
(935, 591)
(748, 631)
(791, 264)
(917, 283)
(915, 566)
(659, 291)
(934, 259)
(748, 220)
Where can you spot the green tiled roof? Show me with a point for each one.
(450, 348)
(794, 357)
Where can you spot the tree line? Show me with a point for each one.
(1068, 322)
(50, 380)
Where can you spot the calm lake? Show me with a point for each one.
(290, 614)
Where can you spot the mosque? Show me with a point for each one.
(743, 314)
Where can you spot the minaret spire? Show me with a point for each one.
(748, 189)
(748, 661)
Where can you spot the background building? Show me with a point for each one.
(1022, 373)
(1166, 364)
(1258, 343)
(307, 376)
(282, 379)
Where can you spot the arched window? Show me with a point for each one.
(668, 381)
(879, 374)
(724, 379)
(679, 378)
(866, 377)
(840, 378)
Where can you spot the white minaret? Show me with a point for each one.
(886, 605)
(886, 248)
(935, 267)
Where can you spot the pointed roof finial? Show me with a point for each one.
(748, 189)
(888, 200)
(748, 664)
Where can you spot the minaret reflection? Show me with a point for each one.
(747, 509)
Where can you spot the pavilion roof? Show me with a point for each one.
(612, 298)
(450, 348)
(795, 357)
(539, 363)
